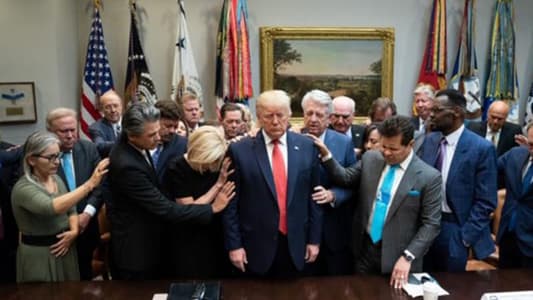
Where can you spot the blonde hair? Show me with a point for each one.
(59, 113)
(275, 98)
(206, 149)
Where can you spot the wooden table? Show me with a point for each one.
(469, 285)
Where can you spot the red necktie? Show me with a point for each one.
(280, 181)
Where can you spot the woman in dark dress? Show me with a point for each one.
(198, 177)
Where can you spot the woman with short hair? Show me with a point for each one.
(46, 213)
(198, 177)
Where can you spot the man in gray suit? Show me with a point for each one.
(398, 212)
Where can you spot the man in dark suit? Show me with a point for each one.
(171, 145)
(192, 111)
(10, 159)
(468, 166)
(273, 227)
(515, 233)
(424, 95)
(397, 215)
(106, 131)
(140, 209)
(232, 120)
(79, 159)
(335, 257)
(341, 120)
(496, 130)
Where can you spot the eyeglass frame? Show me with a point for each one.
(51, 158)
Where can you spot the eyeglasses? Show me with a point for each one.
(338, 116)
(51, 158)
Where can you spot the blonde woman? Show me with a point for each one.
(198, 177)
(46, 214)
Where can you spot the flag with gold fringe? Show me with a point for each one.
(502, 83)
(97, 77)
(139, 83)
(433, 68)
(465, 74)
(233, 71)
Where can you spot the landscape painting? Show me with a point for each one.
(354, 62)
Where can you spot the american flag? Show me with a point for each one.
(97, 77)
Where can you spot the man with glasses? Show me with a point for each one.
(468, 166)
(341, 120)
(79, 158)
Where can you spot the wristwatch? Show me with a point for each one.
(408, 257)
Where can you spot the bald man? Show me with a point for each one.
(106, 131)
(496, 130)
(341, 120)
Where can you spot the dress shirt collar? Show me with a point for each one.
(282, 140)
(453, 138)
(405, 163)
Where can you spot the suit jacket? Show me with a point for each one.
(85, 157)
(413, 219)
(103, 136)
(358, 136)
(176, 147)
(140, 211)
(415, 120)
(471, 186)
(506, 141)
(510, 167)
(252, 217)
(337, 219)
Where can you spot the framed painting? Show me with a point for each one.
(17, 103)
(343, 61)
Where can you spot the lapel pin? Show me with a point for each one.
(296, 148)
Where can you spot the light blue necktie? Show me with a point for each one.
(155, 155)
(68, 170)
(382, 202)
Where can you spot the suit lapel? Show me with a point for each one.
(261, 156)
(406, 184)
(292, 166)
(374, 177)
(458, 157)
(484, 129)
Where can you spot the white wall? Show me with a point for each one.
(45, 41)
(38, 42)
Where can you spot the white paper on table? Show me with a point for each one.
(160, 297)
(521, 295)
(417, 290)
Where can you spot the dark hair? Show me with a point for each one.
(136, 116)
(230, 107)
(381, 104)
(396, 125)
(455, 97)
(369, 129)
(169, 110)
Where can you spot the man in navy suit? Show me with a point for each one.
(171, 145)
(515, 234)
(335, 256)
(468, 166)
(106, 131)
(496, 130)
(341, 120)
(273, 227)
(79, 160)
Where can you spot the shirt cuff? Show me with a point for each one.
(408, 253)
(90, 210)
(327, 157)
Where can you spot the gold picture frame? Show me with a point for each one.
(333, 59)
